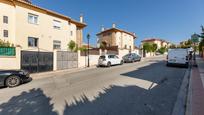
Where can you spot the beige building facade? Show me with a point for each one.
(160, 43)
(32, 27)
(116, 37)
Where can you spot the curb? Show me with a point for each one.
(59, 72)
(189, 97)
(180, 104)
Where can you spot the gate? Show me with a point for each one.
(67, 60)
(33, 61)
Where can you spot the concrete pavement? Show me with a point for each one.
(144, 88)
(74, 70)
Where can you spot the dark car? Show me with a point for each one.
(132, 57)
(13, 78)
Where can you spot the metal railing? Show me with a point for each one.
(7, 51)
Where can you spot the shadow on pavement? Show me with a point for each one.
(133, 100)
(114, 100)
(34, 102)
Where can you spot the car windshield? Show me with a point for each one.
(102, 57)
(127, 55)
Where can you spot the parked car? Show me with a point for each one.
(178, 57)
(132, 57)
(13, 78)
(109, 60)
(157, 53)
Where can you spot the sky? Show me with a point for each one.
(172, 20)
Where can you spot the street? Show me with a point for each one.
(141, 88)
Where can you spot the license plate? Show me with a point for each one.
(173, 60)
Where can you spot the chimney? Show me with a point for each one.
(114, 25)
(102, 28)
(81, 18)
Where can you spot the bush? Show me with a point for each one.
(4, 43)
(162, 50)
(71, 45)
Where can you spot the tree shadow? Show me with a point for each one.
(34, 102)
(131, 99)
(115, 99)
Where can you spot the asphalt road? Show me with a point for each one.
(142, 88)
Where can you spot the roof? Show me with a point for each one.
(153, 39)
(117, 30)
(137, 47)
(49, 12)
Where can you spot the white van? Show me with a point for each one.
(178, 57)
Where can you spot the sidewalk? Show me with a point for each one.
(195, 104)
(59, 72)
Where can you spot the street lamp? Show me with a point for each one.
(88, 37)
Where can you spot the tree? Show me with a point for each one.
(83, 49)
(154, 47)
(71, 45)
(188, 43)
(172, 46)
(201, 44)
(147, 47)
(102, 46)
(162, 50)
(76, 48)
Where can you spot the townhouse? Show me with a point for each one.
(160, 43)
(116, 37)
(32, 28)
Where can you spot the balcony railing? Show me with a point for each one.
(7, 51)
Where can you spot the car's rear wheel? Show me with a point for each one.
(121, 63)
(108, 64)
(12, 81)
(186, 65)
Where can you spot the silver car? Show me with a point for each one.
(131, 57)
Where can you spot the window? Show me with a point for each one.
(32, 18)
(56, 44)
(116, 57)
(56, 24)
(32, 42)
(111, 56)
(5, 19)
(5, 33)
(71, 33)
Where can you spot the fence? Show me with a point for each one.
(94, 51)
(7, 51)
(10, 62)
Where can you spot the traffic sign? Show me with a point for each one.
(195, 38)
